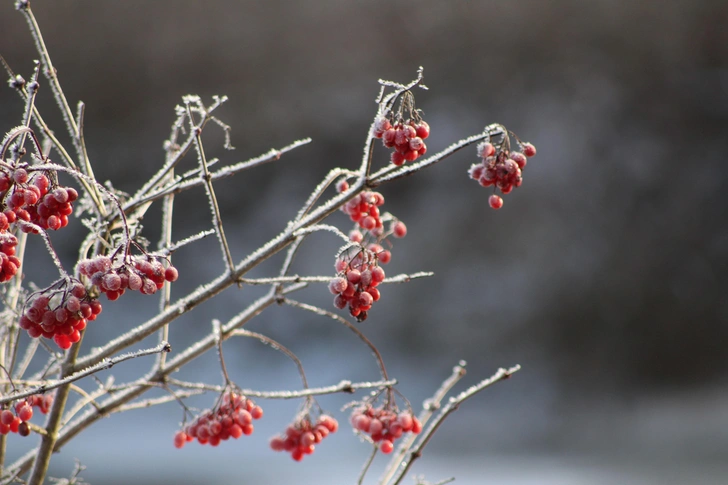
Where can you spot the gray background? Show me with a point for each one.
(603, 275)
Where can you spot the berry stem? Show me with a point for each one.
(275, 346)
(367, 464)
(217, 334)
(346, 323)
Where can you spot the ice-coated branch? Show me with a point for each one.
(390, 173)
(210, 191)
(451, 406)
(182, 185)
(345, 386)
(347, 324)
(104, 364)
(430, 406)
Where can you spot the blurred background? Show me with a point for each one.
(603, 275)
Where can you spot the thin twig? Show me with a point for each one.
(347, 324)
(343, 386)
(217, 335)
(430, 406)
(104, 364)
(451, 406)
(367, 464)
(211, 197)
(177, 187)
(147, 403)
(276, 346)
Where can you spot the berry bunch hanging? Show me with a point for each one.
(18, 422)
(143, 274)
(406, 136)
(384, 425)
(355, 286)
(301, 437)
(29, 197)
(500, 166)
(359, 274)
(232, 418)
(59, 312)
(364, 209)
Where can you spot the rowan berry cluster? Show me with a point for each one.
(60, 314)
(406, 137)
(146, 275)
(383, 425)
(34, 201)
(18, 422)
(500, 167)
(301, 437)
(364, 209)
(232, 418)
(355, 285)
(9, 264)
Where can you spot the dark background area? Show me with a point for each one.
(603, 275)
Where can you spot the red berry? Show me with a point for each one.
(486, 150)
(342, 186)
(519, 158)
(20, 175)
(25, 413)
(62, 341)
(236, 431)
(171, 274)
(256, 412)
(398, 158)
(180, 439)
(399, 229)
(529, 150)
(416, 425)
(386, 446)
(338, 285)
(423, 129)
(377, 274)
(495, 201)
(7, 417)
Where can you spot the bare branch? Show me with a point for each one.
(104, 364)
(451, 406)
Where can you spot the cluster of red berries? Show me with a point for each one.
(301, 437)
(407, 138)
(145, 275)
(61, 315)
(233, 418)
(384, 426)
(500, 167)
(34, 201)
(364, 209)
(18, 422)
(9, 264)
(356, 283)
